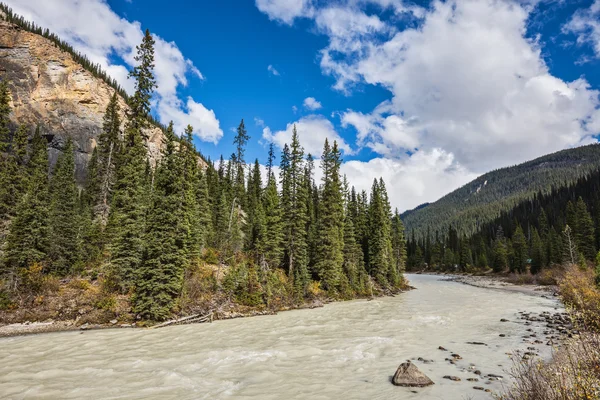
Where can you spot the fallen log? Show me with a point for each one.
(186, 320)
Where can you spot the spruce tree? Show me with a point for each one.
(160, 275)
(538, 256)
(102, 178)
(329, 253)
(240, 141)
(399, 244)
(293, 201)
(193, 193)
(28, 239)
(585, 233)
(129, 202)
(272, 241)
(64, 219)
(379, 242)
(520, 251)
(500, 260)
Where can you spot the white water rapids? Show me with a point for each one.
(347, 350)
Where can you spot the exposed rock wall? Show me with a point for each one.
(50, 89)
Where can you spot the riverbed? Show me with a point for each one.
(345, 350)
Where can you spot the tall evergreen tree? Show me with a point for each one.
(160, 275)
(500, 262)
(129, 203)
(329, 252)
(240, 141)
(28, 239)
(585, 234)
(538, 255)
(399, 243)
(273, 239)
(379, 237)
(294, 211)
(64, 220)
(520, 251)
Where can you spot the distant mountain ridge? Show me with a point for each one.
(484, 198)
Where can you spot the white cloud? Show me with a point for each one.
(586, 24)
(312, 131)
(205, 123)
(294, 109)
(273, 71)
(92, 28)
(312, 104)
(259, 122)
(285, 11)
(465, 82)
(410, 180)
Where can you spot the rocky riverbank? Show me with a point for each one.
(501, 283)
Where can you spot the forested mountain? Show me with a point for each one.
(170, 237)
(561, 226)
(469, 207)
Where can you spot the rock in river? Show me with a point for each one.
(408, 375)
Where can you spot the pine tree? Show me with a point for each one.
(160, 275)
(102, 168)
(130, 198)
(64, 219)
(379, 243)
(255, 227)
(399, 244)
(273, 238)
(191, 208)
(520, 251)
(537, 253)
(329, 252)
(240, 141)
(28, 239)
(570, 252)
(293, 202)
(500, 261)
(145, 83)
(584, 233)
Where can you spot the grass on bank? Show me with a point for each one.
(573, 373)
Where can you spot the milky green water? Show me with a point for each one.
(345, 350)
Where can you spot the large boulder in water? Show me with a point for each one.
(408, 375)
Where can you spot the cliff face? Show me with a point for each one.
(50, 89)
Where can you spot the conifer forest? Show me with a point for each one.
(150, 232)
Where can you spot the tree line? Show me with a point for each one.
(562, 226)
(141, 228)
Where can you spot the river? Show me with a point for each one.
(347, 350)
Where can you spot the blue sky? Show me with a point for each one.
(427, 94)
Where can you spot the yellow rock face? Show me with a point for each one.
(51, 89)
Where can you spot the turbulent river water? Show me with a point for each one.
(346, 350)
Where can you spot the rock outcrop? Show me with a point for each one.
(409, 375)
(50, 89)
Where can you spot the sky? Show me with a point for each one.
(426, 94)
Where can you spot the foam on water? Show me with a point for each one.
(344, 350)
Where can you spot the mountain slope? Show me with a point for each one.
(54, 88)
(486, 197)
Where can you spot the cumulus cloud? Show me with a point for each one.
(312, 131)
(468, 89)
(312, 104)
(285, 11)
(585, 23)
(92, 28)
(273, 71)
(411, 179)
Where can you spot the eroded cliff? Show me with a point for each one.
(50, 89)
